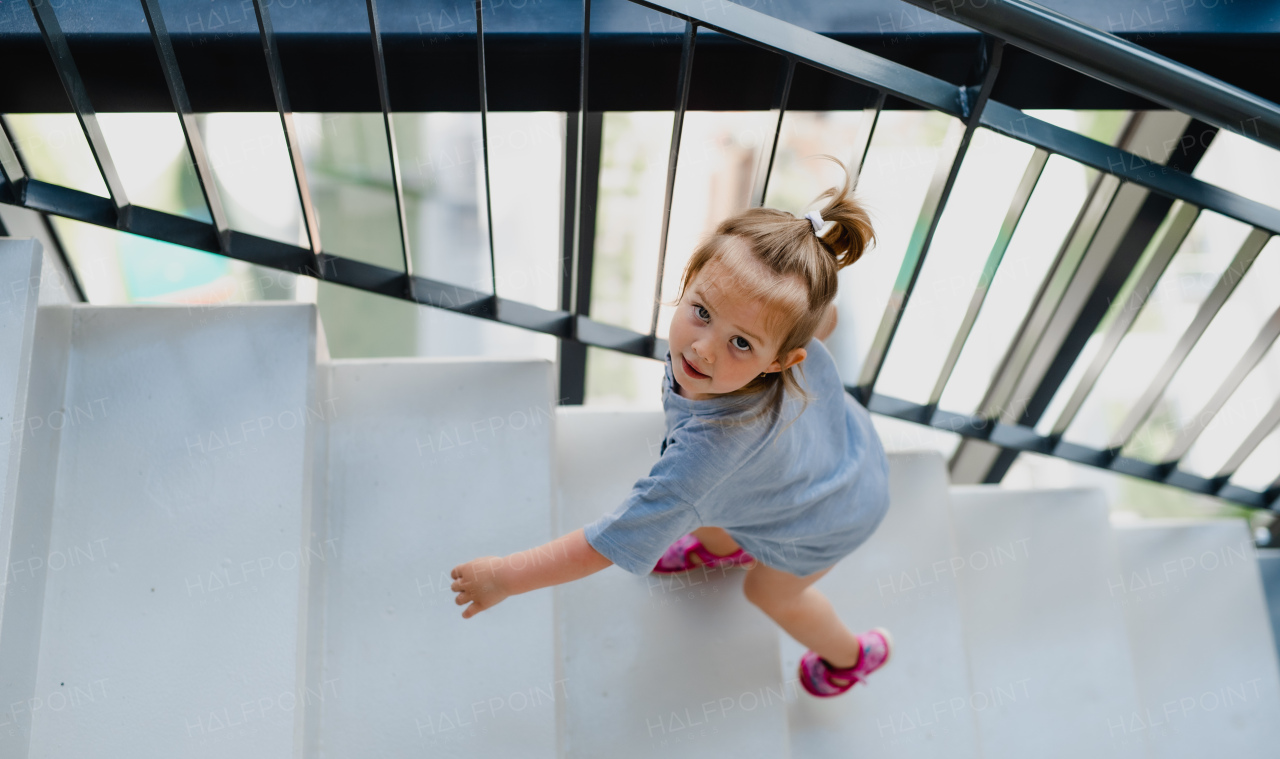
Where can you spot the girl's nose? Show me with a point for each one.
(700, 347)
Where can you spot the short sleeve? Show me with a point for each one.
(665, 505)
(635, 534)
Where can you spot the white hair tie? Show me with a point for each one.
(816, 220)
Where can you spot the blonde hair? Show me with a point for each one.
(796, 272)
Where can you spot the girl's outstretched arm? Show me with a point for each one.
(486, 581)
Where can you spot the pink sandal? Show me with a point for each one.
(676, 559)
(817, 676)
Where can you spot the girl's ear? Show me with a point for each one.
(794, 357)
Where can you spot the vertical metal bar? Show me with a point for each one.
(582, 182)
(1226, 284)
(570, 176)
(1021, 196)
(276, 73)
(56, 41)
(677, 125)
(484, 140)
(384, 96)
(764, 170)
(186, 117)
(866, 131)
(572, 360)
(930, 213)
(1252, 356)
(1182, 218)
(577, 298)
(576, 204)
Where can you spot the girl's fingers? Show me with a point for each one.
(470, 611)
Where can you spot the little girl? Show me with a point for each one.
(767, 462)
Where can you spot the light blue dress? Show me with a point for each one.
(798, 490)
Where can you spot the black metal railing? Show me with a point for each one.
(1017, 398)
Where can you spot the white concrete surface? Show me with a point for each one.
(171, 614)
(31, 385)
(904, 578)
(432, 463)
(1047, 647)
(656, 667)
(1269, 568)
(1201, 639)
(20, 264)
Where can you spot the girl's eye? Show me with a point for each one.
(745, 346)
(703, 313)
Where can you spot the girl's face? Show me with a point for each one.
(718, 341)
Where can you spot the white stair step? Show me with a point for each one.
(655, 668)
(1202, 641)
(170, 619)
(19, 269)
(432, 463)
(22, 589)
(1046, 643)
(1269, 568)
(904, 579)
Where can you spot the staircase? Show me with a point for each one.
(222, 543)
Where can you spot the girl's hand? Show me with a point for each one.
(479, 583)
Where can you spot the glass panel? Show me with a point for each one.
(970, 223)
(900, 164)
(633, 171)
(619, 379)
(150, 153)
(443, 172)
(250, 163)
(1261, 469)
(1204, 255)
(1130, 498)
(526, 164)
(806, 134)
(148, 149)
(1043, 229)
(1103, 126)
(8, 159)
(349, 173)
(359, 324)
(899, 435)
(118, 268)
(54, 149)
(1223, 436)
(1243, 166)
(634, 152)
(1214, 356)
(1118, 305)
(719, 155)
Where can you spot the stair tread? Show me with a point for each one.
(179, 495)
(656, 666)
(903, 579)
(431, 464)
(1201, 639)
(1045, 642)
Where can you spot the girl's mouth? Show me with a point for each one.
(692, 372)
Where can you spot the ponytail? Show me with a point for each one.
(848, 232)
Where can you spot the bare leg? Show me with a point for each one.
(803, 611)
(716, 540)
